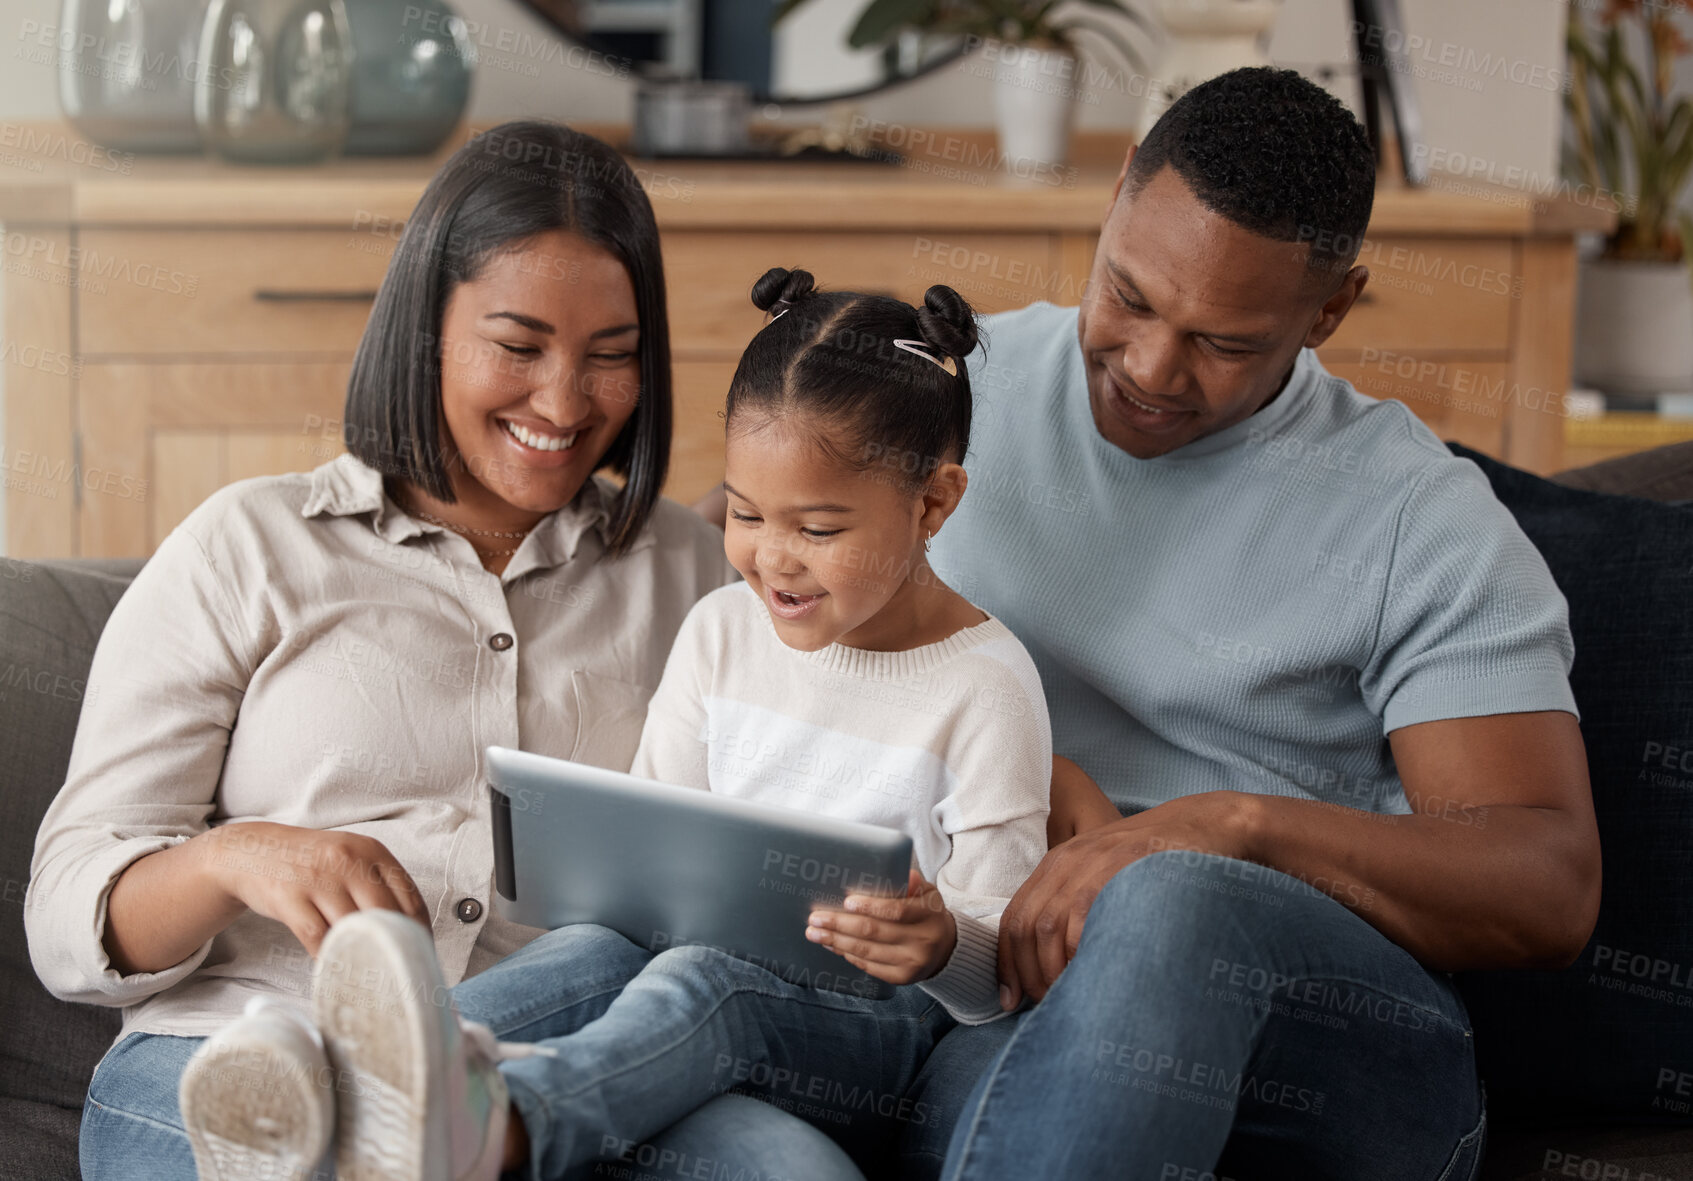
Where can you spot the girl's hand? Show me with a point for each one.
(899, 940)
(306, 878)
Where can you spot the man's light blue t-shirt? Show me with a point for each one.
(1256, 610)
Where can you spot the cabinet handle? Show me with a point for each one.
(272, 295)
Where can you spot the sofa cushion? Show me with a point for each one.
(1612, 1035)
(1556, 1151)
(1663, 473)
(50, 619)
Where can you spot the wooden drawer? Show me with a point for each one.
(1461, 401)
(227, 292)
(158, 439)
(710, 275)
(1454, 295)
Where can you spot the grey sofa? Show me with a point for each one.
(51, 615)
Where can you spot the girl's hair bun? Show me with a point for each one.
(946, 322)
(781, 286)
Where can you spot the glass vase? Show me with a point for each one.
(278, 82)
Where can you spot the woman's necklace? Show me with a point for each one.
(465, 530)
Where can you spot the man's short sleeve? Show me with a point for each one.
(1471, 622)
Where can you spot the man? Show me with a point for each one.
(1308, 656)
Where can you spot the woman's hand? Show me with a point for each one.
(899, 940)
(1077, 803)
(307, 878)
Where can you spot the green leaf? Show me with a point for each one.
(882, 19)
(1124, 10)
(1609, 153)
(1108, 35)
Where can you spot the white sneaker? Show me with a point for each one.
(422, 1098)
(256, 1098)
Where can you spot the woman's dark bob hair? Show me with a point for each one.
(503, 187)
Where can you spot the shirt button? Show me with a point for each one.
(499, 641)
(469, 910)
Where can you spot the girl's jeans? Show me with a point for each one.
(643, 1044)
(643, 1040)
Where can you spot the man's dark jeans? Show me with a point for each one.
(1220, 1020)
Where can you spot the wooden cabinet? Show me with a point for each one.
(275, 293)
(181, 429)
(194, 323)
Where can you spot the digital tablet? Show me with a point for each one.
(667, 866)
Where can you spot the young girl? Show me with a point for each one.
(842, 677)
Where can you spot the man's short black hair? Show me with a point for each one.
(1273, 153)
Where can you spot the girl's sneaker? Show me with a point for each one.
(421, 1098)
(256, 1098)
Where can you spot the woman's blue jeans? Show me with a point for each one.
(132, 1127)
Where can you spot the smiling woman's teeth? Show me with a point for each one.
(540, 442)
(1142, 405)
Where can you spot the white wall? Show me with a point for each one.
(1466, 110)
(1475, 66)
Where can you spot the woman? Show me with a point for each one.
(286, 711)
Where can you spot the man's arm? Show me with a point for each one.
(1077, 803)
(1498, 866)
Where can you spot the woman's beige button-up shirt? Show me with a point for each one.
(301, 651)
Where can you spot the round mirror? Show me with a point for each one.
(801, 58)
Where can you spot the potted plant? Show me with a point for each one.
(1628, 132)
(1206, 38)
(1036, 63)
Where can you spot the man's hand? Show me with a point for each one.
(1042, 926)
(899, 940)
